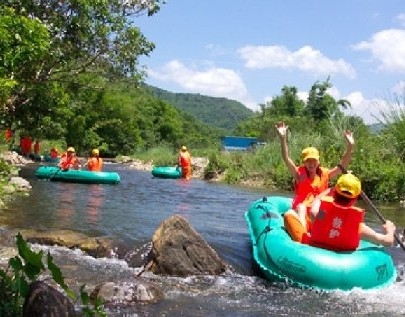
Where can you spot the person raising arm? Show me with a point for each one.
(310, 179)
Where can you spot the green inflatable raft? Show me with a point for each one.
(166, 172)
(54, 173)
(282, 259)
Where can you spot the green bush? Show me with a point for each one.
(25, 268)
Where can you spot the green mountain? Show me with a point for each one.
(375, 127)
(215, 112)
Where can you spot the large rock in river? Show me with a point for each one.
(179, 250)
(44, 300)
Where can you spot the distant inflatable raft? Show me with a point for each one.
(282, 259)
(167, 172)
(54, 173)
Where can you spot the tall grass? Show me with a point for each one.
(159, 156)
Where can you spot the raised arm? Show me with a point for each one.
(282, 132)
(348, 135)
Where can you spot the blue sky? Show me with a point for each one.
(248, 50)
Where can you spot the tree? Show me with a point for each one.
(321, 106)
(288, 104)
(87, 36)
(24, 41)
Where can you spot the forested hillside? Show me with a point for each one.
(216, 112)
(75, 79)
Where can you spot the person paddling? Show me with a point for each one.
(336, 223)
(69, 160)
(95, 162)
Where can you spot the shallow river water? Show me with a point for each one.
(132, 210)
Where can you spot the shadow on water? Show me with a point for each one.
(132, 210)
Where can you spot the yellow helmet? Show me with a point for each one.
(71, 149)
(310, 153)
(348, 186)
(183, 148)
(95, 152)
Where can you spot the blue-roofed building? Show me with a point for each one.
(238, 143)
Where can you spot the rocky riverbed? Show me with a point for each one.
(176, 249)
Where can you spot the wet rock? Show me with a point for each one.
(65, 238)
(139, 256)
(43, 300)
(21, 184)
(13, 158)
(98, 247)
(179, 250)
(126, 293)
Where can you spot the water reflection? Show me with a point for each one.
(132, 210)
(95, 201)
(66, 210)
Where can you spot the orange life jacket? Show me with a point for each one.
(306, 189)
(36, 148)
(185, 159)
(336, 227)
(185, 163)
(68, 162)
(54, 153)
(95, 164)
(8, 133)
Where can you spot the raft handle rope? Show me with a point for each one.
(265, 231)
(263, 234)
(266, 214)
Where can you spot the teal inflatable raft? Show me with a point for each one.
(54, 173)
(282, 259)
(48, 158)
(166, 172)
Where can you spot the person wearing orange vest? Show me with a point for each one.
(8, 134)
(25, 145)
(95, 163)
(69, 160)
(53, 153)
(310, 179)
(337, 224)
(36, 147)
(185, 163)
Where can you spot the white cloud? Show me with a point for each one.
(368, 109)
(216, 82)
(364, 108)
(303, 95)
(401, 18)
(399, 89)
(306, 59)
(387, 48)
(215, 50)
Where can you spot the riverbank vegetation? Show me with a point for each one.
(69, 79)
(378, 158)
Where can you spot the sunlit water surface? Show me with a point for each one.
(132, 210)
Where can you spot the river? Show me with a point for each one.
(132, 210)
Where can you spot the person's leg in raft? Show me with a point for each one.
(295, 228)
